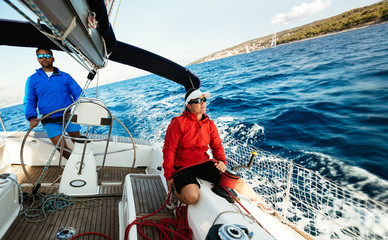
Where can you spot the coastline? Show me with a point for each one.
(342, 31)
(241, 48)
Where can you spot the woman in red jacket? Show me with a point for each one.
(187, 140)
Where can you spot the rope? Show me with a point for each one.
(246, 210)
(52, 203)
(42, 204)
(77, 56)
(191, 81)
(57, 34)
(61, 138)
(248, 217)
(117, 13)
(97, 83)
(181, 225)
(2, 124)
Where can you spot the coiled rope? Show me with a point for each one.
(42, 204)
(180, 224)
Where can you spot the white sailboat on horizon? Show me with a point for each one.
(274, 40)
(247, 49)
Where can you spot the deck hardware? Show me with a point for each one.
(254, 154)
(65, 233)
(229, 232)
(78, 183)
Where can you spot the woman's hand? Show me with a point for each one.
(220, 165)
(170, 185)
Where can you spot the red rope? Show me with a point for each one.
(181, 225)
(91, 233)
(247, 211)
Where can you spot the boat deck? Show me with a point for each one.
(97, 214)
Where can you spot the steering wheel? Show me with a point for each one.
(62, 148)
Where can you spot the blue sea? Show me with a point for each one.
(322, 103)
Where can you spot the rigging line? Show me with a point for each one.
(77, 102)
(41, 16)
(188, 72)
(235, 199)
(2, 124)
(117, 13)
(52, 28)
(98, 78)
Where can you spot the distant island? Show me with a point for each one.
(356, 18)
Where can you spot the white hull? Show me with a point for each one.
(201, 216)
(9, 203)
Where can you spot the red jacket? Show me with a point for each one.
(187, 141)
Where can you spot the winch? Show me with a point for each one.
(228, 232)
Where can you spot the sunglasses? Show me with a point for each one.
(47, 56)
(198, 100)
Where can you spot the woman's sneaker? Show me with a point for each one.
(172, 201)
(264, 206)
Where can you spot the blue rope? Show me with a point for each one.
(40, 179)
(44, 203)
(47, 204)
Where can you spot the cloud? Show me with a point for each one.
(300, 12)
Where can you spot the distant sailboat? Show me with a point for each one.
(273, 42)
(247, 49)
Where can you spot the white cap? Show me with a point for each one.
(196, 94)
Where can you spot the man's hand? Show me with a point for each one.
(220, 165)
(34, 122)
(170, 185)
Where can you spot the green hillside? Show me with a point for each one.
(352, 19)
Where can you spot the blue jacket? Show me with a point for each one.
(49, 93)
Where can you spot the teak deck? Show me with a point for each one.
(148, 192)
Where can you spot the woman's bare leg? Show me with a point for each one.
(189, 194)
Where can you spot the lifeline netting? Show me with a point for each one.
(308, 201)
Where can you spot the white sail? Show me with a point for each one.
(273, 42)
(247, 49)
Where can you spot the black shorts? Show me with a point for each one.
(206, 171)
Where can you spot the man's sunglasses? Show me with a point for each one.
(47, 56)
(198, 100)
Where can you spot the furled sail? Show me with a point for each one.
(14, 34)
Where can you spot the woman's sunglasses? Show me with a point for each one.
(47, 56)
(198, 100)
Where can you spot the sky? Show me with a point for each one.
(180, 30)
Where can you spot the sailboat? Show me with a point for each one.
(111, 184)
(274, 40)
(247, 49)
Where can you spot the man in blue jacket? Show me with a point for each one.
(48, 90)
